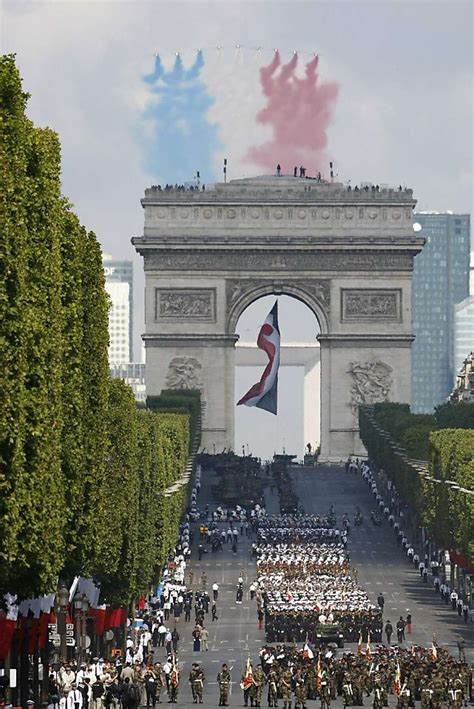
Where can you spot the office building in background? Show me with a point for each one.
(132, 374)
(440, 282)
(463, 331)
(119, 286)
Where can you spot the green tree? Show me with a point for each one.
(460, 415)
(32, 511)
(95, 305)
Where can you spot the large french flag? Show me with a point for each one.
(264, 394)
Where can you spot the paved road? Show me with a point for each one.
(235, 634)
(381, 566)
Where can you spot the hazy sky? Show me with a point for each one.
(403, 112)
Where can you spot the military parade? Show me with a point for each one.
(323, 638)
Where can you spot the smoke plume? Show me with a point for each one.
(299, 112)
(179, 140)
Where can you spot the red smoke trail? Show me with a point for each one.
(299, 112)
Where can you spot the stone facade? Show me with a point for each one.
(347, 254)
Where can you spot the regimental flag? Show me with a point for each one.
(397, 683)
(318, 673)
(434, 652)
(263, 395)
(248, 676)
(174, 673)
(308, 650)
(368, 651)
(359, 644)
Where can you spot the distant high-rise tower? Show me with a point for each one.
(440, 281)
(463, 331)
(119, 286)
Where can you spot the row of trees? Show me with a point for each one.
(439, 489)
(81, 467)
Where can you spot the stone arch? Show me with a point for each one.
(242, 293)
(346, 254)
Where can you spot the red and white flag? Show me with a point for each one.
(368, 651)
(397, 684)
(263, 395)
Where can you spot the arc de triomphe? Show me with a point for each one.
(347, 254)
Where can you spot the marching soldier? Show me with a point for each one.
(174, 682)
(300, 690)
(324, 692)
(454, 697)
(256, 690)
(426, 697)
(196, 678)
(378, 701)
(348, 693)
(404, 699)
(438, 693)
(159, 680)
(285, 688)
(272, 680)
(358, 686)
(223, 680)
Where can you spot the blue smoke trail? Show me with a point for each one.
(182, 141)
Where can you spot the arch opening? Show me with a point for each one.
(313, 298)
(298, 421)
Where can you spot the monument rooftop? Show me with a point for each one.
(283, 188)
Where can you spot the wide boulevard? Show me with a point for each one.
(382, 567)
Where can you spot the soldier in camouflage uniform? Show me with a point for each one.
(438, 693)
(358, 686)
(272, 680)
(223, 680)
(455, 697)
(426, 697)
(325, 692)
(461, 682)
(256, 690)
(300, 689)
(174, 684)
(404, 699)
(380, 694)
(196, 678)
(312, 683)
(348, 692)
(286, 681)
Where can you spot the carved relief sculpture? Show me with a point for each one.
(185, 304)
(371, 383)
(291, 261)
(320, 289)
(184, 373)
(371, 304)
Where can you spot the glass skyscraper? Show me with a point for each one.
(440, 281)
(463, 331)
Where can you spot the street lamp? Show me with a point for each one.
(77, 600)
(63, 601)
(85, 608)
